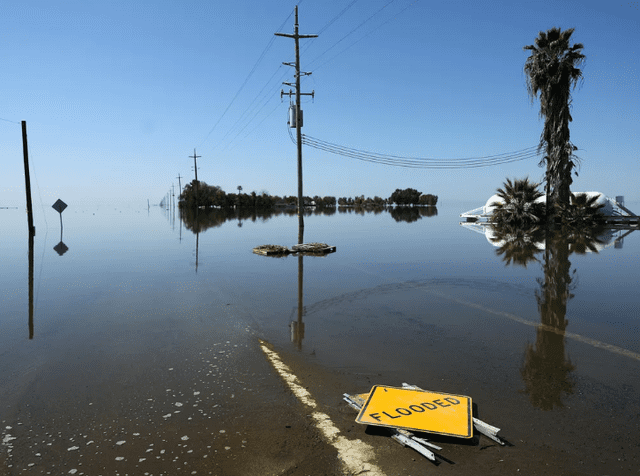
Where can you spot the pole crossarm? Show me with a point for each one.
(291, 93)
(295, 36)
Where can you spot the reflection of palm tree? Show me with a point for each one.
(545, 371)
(583, 241)
(517, 246)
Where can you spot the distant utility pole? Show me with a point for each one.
(195, 167)
(179, 183)
(298, 114)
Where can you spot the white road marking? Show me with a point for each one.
(355, 455)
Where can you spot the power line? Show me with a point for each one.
(255, 66)
(259, 102)
(251, 106)
(264, 100)
(420, 162)
(249, 122)
(332, 21)
(350, 33)
(363, 37)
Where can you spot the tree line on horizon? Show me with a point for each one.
(201, 220)
(200, 194)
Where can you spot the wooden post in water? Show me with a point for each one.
(27, 180)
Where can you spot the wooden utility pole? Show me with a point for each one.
(298, 115)
(27, 180)
(195, 167)
(180, 183)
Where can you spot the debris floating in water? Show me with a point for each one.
(310, 248)
(268, 250)
(313, 248)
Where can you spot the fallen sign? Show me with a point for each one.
(483, 428)
(418, 410)
(404, 437)
(362, 404)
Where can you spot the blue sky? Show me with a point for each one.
(117, 94)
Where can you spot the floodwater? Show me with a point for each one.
(136, 305)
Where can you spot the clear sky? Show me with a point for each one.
(117, 94)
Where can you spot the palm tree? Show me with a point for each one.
(583, 214)
(552, 71)
(518, 208)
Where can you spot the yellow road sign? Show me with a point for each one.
(418, 410)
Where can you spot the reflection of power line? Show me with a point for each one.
(419, 162)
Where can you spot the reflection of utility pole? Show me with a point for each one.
(297, 327)
(195, 168)
(173, 207)
(31, 237)
(197, 239)
(298, 112)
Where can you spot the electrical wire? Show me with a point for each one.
(332, 21)
(350, 33)
(363, 37)
(251, 106)
(8, 120)
(419, 162)
(255, 66)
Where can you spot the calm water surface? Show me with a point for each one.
(549, 351)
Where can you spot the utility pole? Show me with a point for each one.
(27, 180)
(298, 114)
(179, 183)
(195, 167)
